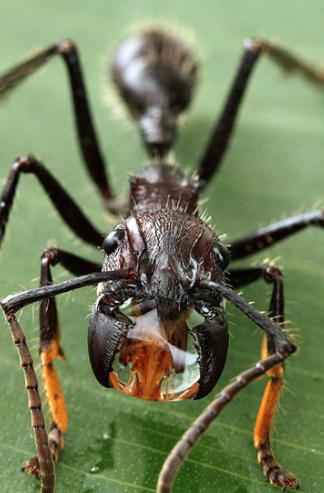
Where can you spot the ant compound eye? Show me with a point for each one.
(113, 240)
(222, 255)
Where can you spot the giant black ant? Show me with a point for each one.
(161, 262)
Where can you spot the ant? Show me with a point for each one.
(161, 263)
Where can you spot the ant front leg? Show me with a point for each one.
(43, 463)
(223, 129)
(271, 469)
(88, 141)
(63, 203)
(269, 235)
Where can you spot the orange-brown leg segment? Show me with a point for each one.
(55, 396)
(262, 430)
(50, 348)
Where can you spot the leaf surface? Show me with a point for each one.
(274, 168)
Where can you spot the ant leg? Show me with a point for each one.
(269, 235)
(15, 302)
(64, 204)
(43, 466)
(284, 347)
(271, 469)
(223, 129)
(43, 463)
(87, 138)
(50, 348)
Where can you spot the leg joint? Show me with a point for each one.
(256, 45)
(28, 363)
(49, 351)
(272, 274)
(287, 347)
(20, 341)
(49, 256)
(66, 46)
(25, 163)
(32, 388)
(275, 378)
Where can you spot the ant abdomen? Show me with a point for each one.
(155, 74)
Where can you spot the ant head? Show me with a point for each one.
(170, 251)
(145, 326)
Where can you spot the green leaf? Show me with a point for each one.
(274, 168)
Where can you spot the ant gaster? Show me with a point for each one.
(161, 262)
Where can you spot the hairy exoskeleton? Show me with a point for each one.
(171, 251)
(157, 330)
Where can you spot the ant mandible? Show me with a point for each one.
(161, 262)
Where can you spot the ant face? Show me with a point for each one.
(146, 340)
(167, 269)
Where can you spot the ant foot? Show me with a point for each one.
(283, 479)
(31, 466)
(273, 471)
